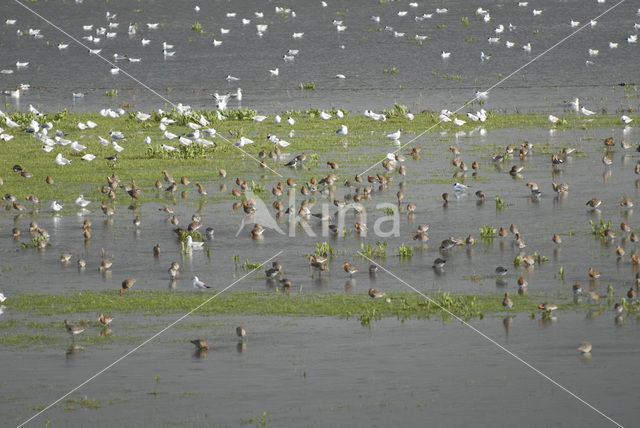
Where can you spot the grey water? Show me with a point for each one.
(362, 53)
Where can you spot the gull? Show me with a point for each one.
(114, 70)
(147, 139)
(283, 143)
(339, 113)
(261, 28)
(340, 76)
(82, 126)
(33, 127)
(142, 116)
(527, 47)
(168, 53)
(593, 52)
(56, 206)
(10, 123)
(410, 116)
(402, 13)
(274, 72)
(458, 122)
(191, 245)
(246, 21)
(62, 46)
(441, 11)
(536, 12)
(2, 298)
(77, 147)
(184, 141)
(484, 57)
(209, 131)
(633, 38)
(482, 95)
(553, 119)
(145, 42)
(231, 14)
(523, 4)
(243, 142)
(217, 42)
(88, 157)
(493, 39)
(168, 135)
(94, 51)
(103, 141)
(473, 117)
(45, 147)
(459, 187)
(81, 201)
(342, 130)
(586, 112)
(77, 95)
(395, 135)
(486, 18)
(414, 4)
(325, 115)
(445, 55)
(444, 118)
(288, 58)
(132, 30)
(626, 119)
(499, 29)
(335, 22)
(118, 148)
(91, 124)
(194, 126)
(168, 148)
(153, 26)
(291, 121)
(574, 23)
(277, 119)
(375, 19)
(509, 44)
(237, 95)
(323, 4)
(22, 64)
(224, 30)
(293, 52)
(230, 78)
(259, 118)
(62, 161)
(613, 45)
(575, 104)
(199, 285)
(593, 23)
(10, 22)
(258, 14)
(111, 35)
(297, 35)
(116, 135)
(130, 59)
(197, 8)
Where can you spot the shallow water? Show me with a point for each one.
(362, 52)
(325, 371)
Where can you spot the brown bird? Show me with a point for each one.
(594, 273)
(105, 319)
(49, 180)
(156, 250)
(609, 142)
(240, 331)
(332, 165)
(184, 181)
(201, 189)
(375, 294)
(556, 238)
(127, 284)
(594, 203)
(507, 302)
(349, 269)
(200, 344)
(167, 177)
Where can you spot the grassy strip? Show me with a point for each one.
(402, 305)
(144, 163)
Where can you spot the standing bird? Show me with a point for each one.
(127, 284)
(240, 331)
(376, 294)
(507, 302)
(200, 345)
(349, 269)
(199, 285)
(73, 329)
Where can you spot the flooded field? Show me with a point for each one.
(391, 256)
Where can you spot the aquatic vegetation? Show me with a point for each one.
(324, 249)
(247, 265)
(487, 233)
(500, 203)
(112, 93)
(540, 258)
(379, 251)
(598, 229)
(36, 242)
(307, 86)
(86, 402)
(465, 21)
(392, 70)
(370, 314)
(197, 27)
(404, 251)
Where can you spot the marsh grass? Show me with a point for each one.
(403, 304)
(144, 162)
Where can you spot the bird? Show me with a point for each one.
(439, 263)
(193, 245)
(105, 319)
(73, 329)
(200, 345)
(240, 331)
(343, 130)
(507, 302)
(199, 285)
(349, 269)
(501, 271)
(594, 203)
(55, 206)
(376, 294)
(127, 284)
(585, 348)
